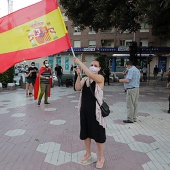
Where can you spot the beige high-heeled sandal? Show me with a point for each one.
(84, 161)
(100, 165)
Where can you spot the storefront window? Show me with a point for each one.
(120, 64)
(58, 61)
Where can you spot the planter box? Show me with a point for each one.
(11, 86)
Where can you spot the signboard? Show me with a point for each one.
(123, 48)
(162, 63)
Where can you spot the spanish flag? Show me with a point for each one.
(32, 32)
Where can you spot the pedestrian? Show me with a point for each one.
(155, 72)
(107, 75)
(28, 81)
(162, 72)
(71, 69)
(131, 83)
(34, 71)
(43, 83)
(168, 80)
(144, 71)
(59, 73)
(92, 124)
(75, 76)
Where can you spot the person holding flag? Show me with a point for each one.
(43, 83)
(92, 124)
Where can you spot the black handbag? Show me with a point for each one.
(104, 106)
(104, 109)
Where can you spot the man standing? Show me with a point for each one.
(58, 73)
(43, 83)
(107, 75)
(162, 72)
(131, 83)
(34, 71)
(155, 72)
(144, 71)
(71, 69)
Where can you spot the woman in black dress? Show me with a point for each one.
(90, 126)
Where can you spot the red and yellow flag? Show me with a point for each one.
(32, 32)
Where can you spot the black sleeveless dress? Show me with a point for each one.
(89, 126)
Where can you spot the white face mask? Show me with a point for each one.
(94, 69)
(47, 65)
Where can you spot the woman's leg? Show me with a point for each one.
(30, 89)
(100, 159)
(87, 143)
(26, 88)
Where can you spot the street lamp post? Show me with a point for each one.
(140, 52)
(10, 6)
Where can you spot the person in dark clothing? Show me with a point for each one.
(75, 76)
(168, 80)
(107, 75)
(59, 73)
(92, 124)
(155, 72)
(28, 81)
(162, 72)
(144, 71)
(34, 71)
(71, 69)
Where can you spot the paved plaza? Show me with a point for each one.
(47, 137)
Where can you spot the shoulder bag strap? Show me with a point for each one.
(92, 92)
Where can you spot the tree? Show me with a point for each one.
(121, 14)
(101, 14)
(156, 13)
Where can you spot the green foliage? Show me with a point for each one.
(156, 13)
(7, 77)
(101, 14)
(121, 14)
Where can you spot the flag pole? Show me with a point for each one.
(73, 52)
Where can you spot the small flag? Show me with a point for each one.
(32, 32)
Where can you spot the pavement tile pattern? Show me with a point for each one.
(47, 137)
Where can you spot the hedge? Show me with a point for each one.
(7, 77)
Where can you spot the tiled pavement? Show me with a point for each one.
(47, 137)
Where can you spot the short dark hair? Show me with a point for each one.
(33, 63)
(129, 63)
(44, 61)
